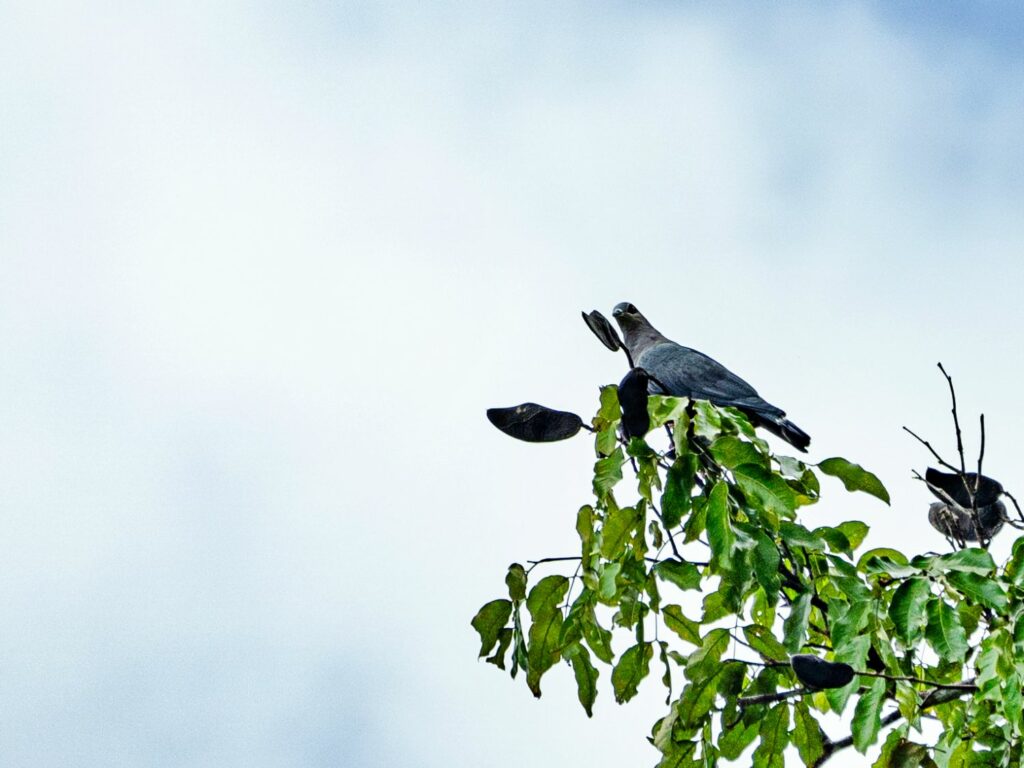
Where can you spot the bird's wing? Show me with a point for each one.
(685, 372)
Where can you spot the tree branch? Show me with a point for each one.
(932, 699)
(928, 445)
(770, 698)
(956, 421)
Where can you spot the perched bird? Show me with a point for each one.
(953, 521)
(684, 372)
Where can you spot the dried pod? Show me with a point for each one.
(636, 422)
(959, 486)
(535, 423)
(603, 329)
(955, 522)
(818, 673)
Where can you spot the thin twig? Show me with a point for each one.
(759, 663)
(970, 687)
(928, 445)
(568, 593)
(535, 563)
(769, 698)
(981, 454)
(1009, 495)
(956, 421)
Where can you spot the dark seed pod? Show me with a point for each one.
(603, 329)
(535, 423)
(958, 487)
(818, 673)
(958, 523)
(633, 401)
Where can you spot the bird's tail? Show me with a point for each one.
(788, 431)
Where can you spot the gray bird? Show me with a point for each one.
(954, 521)
(684, 372)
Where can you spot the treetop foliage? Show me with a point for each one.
(699, 573)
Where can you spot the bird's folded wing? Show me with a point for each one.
(686, 372)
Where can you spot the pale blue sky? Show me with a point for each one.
(264, 265)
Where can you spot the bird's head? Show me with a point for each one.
(628, 316)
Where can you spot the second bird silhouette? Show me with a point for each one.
(684, 372)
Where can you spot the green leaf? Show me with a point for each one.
(666, 679)
(907, 609)
(761, 611)
(706, 657)
(504, 640)
(617, 530)
(699, 697)
(910, 755)
(680, 755)
(608, 472)
(663, 409)
(867, 716)
(677, 499)
(794, 629)
(766, 564)
(586, 677)
(1015, 566)
(836, 539)
(489, 621)
(734, 740)
(807, 734)
(598, 638)
(768, 491)
(607, 585)
(543, 650)
(730, 452)
(891, 562)
(847, 624)
(719, 527)
(585, 529)
(855, 531)
(633, 667)
(707, 420)
(944, 632)
(774, 732)
(795, 535)
(546, 596)
(683, 574)
(971, 560)
(676, 620)
(607, 419)
(855, 653)
(979, 589)
(764, 642)
(515, 579)
(854, 477)
(892, 741)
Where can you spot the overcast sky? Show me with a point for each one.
(263, 266)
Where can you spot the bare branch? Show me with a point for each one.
(956, 421)
(770, 698)
(981, 453)
(928, 445)
(1010, 496)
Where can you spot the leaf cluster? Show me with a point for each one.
(701, 570)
